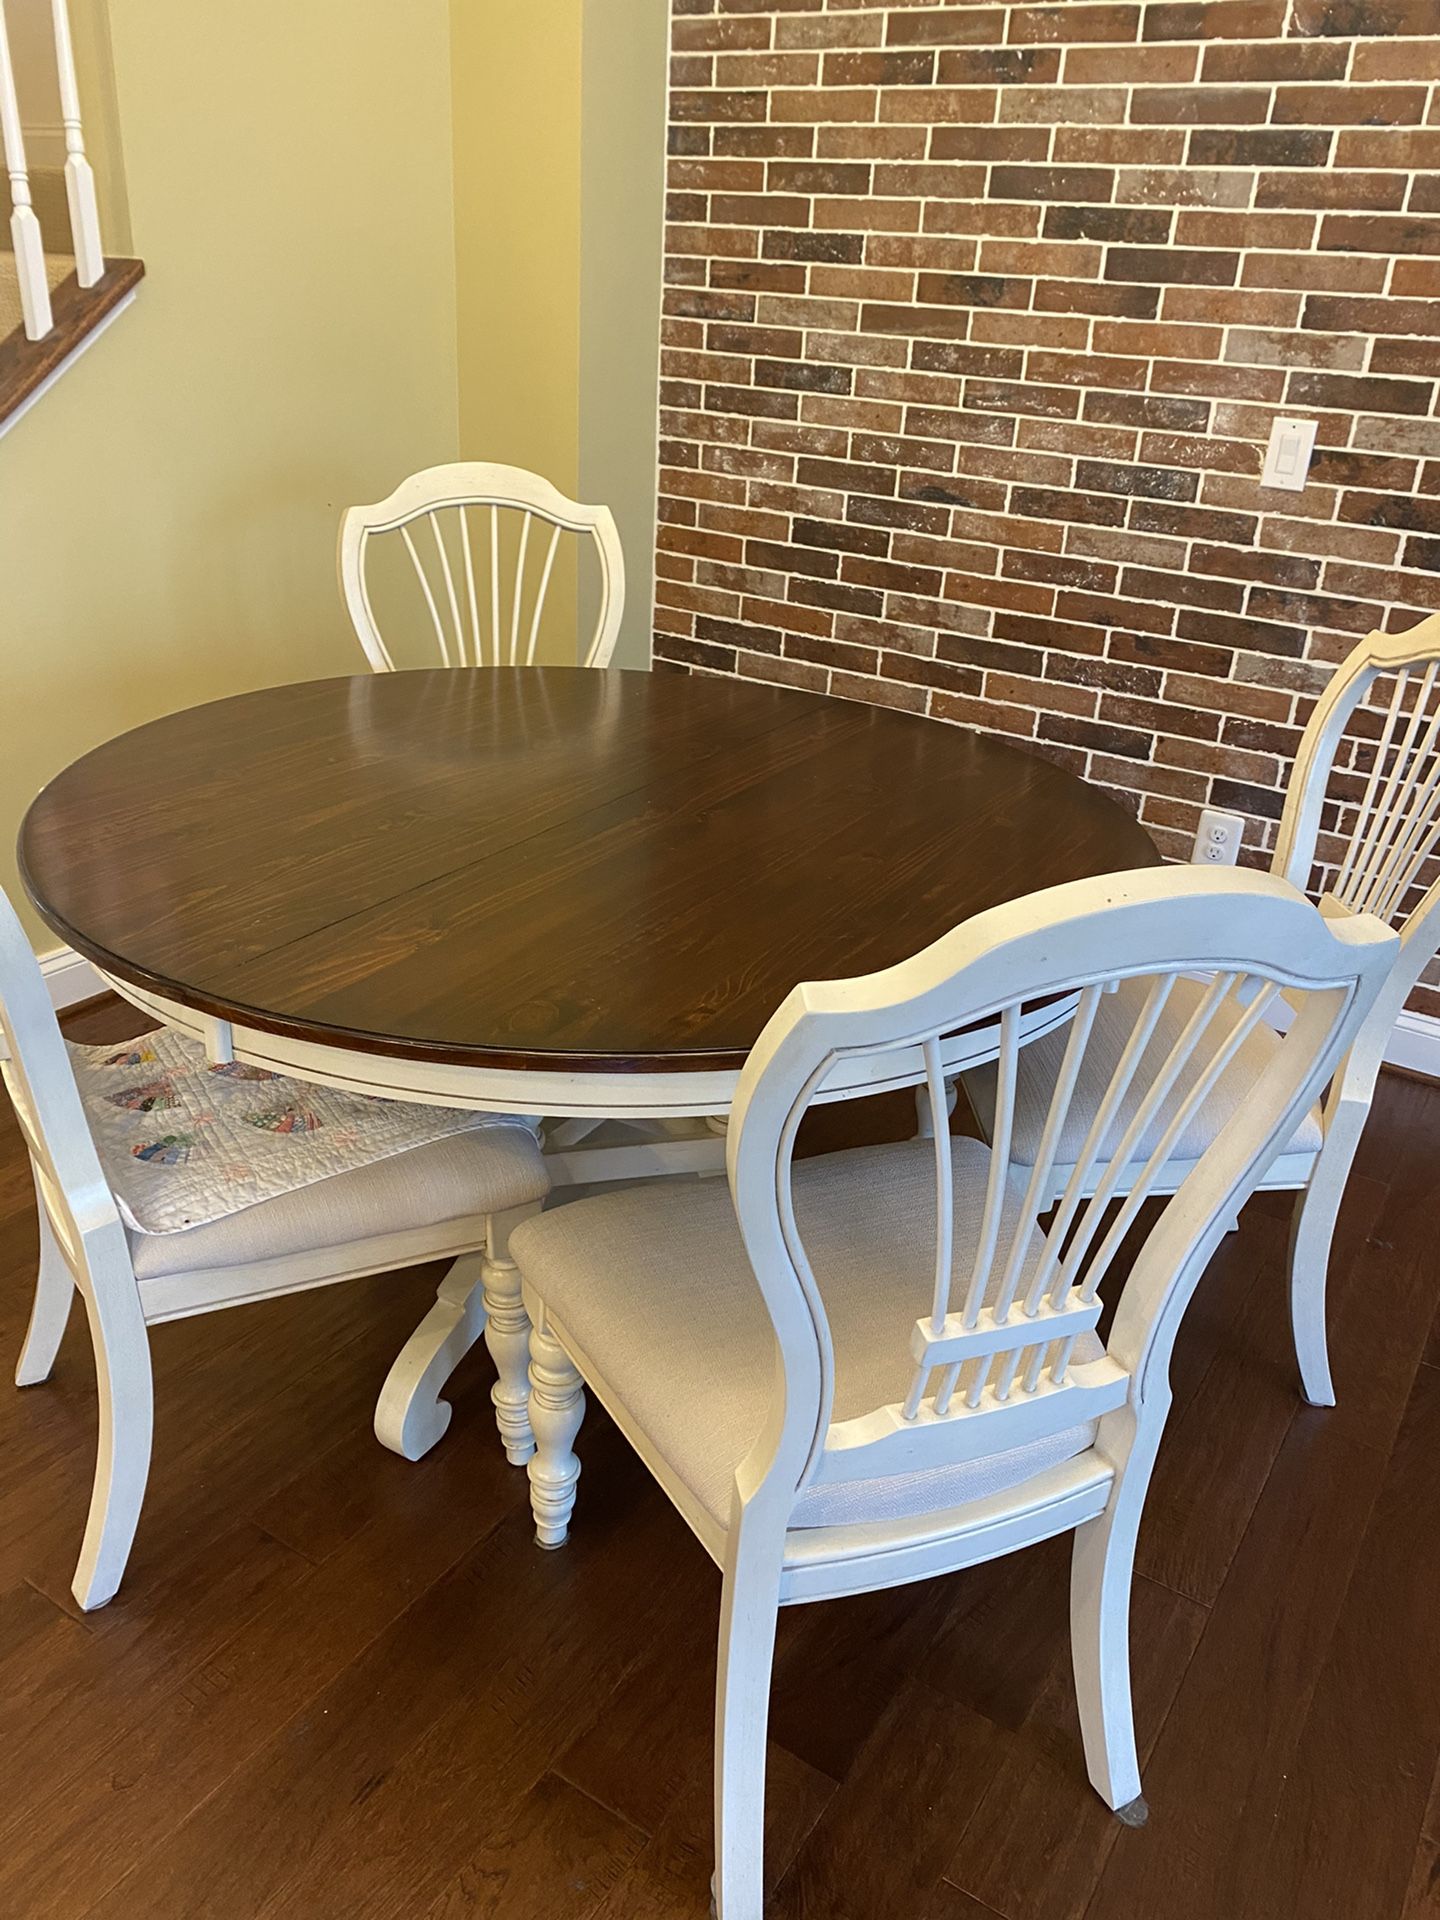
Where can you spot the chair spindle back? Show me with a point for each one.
(482, 542)
(993, 1350)
(1373, 826)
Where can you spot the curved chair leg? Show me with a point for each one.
(410, 1416)
(1100, 1576)
(748, 1613)
(54, 1294)
(557, 1407)
(122, 1467)
(1312, 1229)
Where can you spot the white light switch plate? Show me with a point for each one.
(1287, 458)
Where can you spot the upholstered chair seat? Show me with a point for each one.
(654, 1287)
(169, 1184)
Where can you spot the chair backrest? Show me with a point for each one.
(481, 578)
(1362, 815)
(38, 1076)
(991, 1348)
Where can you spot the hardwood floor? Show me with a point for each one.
(337, 1684)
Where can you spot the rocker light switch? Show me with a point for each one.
(1287, 458)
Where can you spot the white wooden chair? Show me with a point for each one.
(1362, 823)
(875, 1367)
(454, 1198)
(485, 602)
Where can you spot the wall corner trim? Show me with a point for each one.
(70, 978)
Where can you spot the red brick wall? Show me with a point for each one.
(976, 319)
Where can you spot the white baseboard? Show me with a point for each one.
(1414, 1044)
(69, 978)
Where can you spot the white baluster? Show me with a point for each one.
(24, 227)
(79, 175)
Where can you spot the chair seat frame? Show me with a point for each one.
(85, 1249)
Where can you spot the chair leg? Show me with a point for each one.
(507, 1335)
(54, 1293)
(557, 1407)
(410, 1416)
(749, 1607)
(1100, 1575)
(122, 1467)
(1312, 1230)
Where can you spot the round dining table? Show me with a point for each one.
(543, 891)
(536, 890)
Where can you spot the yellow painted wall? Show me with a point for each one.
(516, 79)
(622, 191)
(32, 47)
(559, 180)
(168, 511)
(31, 27)
(95, 70)
(516, 92)
(362, 226)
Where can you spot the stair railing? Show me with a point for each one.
(79, 175)
(25, 234)
(24, 226)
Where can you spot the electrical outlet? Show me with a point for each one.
(1217, 840)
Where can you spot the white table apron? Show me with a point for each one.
(670, 1124)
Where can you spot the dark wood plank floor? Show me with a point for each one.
(336, 1684)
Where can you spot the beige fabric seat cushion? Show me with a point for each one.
(1038, 1069)
(654, 1286)
(486, 1170)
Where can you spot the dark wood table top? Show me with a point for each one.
(541, 866)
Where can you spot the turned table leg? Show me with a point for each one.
(557, 1407)
(507, 1334)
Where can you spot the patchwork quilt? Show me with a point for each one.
(184, 1142)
